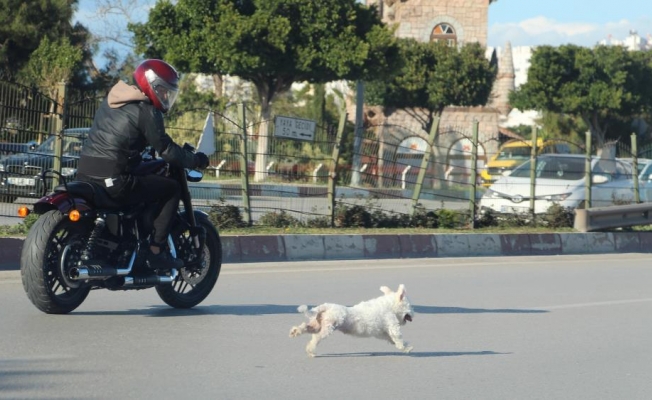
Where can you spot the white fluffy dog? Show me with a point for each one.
(381, 318)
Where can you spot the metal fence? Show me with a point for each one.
(386, 169)
(39, 132)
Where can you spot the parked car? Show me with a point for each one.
(513, 153)
(560, 179)
(644, 179)
(20, 173)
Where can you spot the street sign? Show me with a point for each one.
(294, 128)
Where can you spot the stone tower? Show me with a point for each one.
(456, 21)
(505, 82)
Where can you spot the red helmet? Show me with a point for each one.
(159, 81)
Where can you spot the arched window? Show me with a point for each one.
(412, 145)
(444, 32)
(458, 162)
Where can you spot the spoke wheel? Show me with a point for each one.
(196, 280)
(51, 248)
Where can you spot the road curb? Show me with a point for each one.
(278, 248)
(9, 276)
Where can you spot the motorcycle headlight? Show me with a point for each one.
(67, 171)
(558, 197)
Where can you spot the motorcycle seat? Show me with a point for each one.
(91, 192)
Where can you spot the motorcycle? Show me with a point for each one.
(82, 240)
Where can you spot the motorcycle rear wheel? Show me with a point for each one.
(41, 258)
(192, 286)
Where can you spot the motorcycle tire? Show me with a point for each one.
(41, 260)
(192, 286)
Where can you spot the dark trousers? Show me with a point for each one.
(161, 195)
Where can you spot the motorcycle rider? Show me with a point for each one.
(127, 121)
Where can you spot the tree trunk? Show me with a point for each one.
(262, 150)
(598, 133)
(218, 83)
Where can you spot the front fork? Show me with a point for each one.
(171, 246)
(197, 232)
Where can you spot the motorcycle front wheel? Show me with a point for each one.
(53, 245)
(195, 281)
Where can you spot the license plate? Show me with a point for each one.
(21, 181)
(513, 209)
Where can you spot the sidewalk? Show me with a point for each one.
(243, 249)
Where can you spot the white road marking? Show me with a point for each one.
(593, 304)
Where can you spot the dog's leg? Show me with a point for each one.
(298, 330)
(313, 326)
(394, 331)
(326, 330)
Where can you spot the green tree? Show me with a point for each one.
(270, 43)
(23, 23)
(51, 63)
(561, 126)
(432, 77)
(600, 85)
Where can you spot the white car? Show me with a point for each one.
(645, 179)
(560, 179)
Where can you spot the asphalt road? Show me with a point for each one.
(558, 327)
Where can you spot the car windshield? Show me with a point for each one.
(566, 168)
(71, 146)
(641, 167)
(518, 153)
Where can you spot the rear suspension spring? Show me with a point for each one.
(87, 254)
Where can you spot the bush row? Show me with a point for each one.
(225, 216)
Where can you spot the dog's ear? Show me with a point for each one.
(401, 291)
(385, 290)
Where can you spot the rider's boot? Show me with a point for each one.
(163, 260)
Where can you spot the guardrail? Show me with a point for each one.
(595, 219)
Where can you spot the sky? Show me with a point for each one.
(556, 22)
(521, 22)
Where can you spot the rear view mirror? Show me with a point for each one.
(506, 173)
(194, 175)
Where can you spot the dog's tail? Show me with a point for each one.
(305, 311)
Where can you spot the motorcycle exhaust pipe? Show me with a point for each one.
(99, 271)
(151, 279)
(92, 271)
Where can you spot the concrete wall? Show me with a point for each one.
(243, 249)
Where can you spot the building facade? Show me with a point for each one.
(456, 22)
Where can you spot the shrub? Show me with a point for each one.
(29, 221)
(225, 216)
(279, 220)
(487, 219)
(559, 217)
(355, 216)
(424, 219)
(447, 218)
(319, 222)
(516, 220)
(379, 219)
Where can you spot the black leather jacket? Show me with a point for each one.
(124, 125)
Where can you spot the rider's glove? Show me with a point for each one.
(201, 160)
